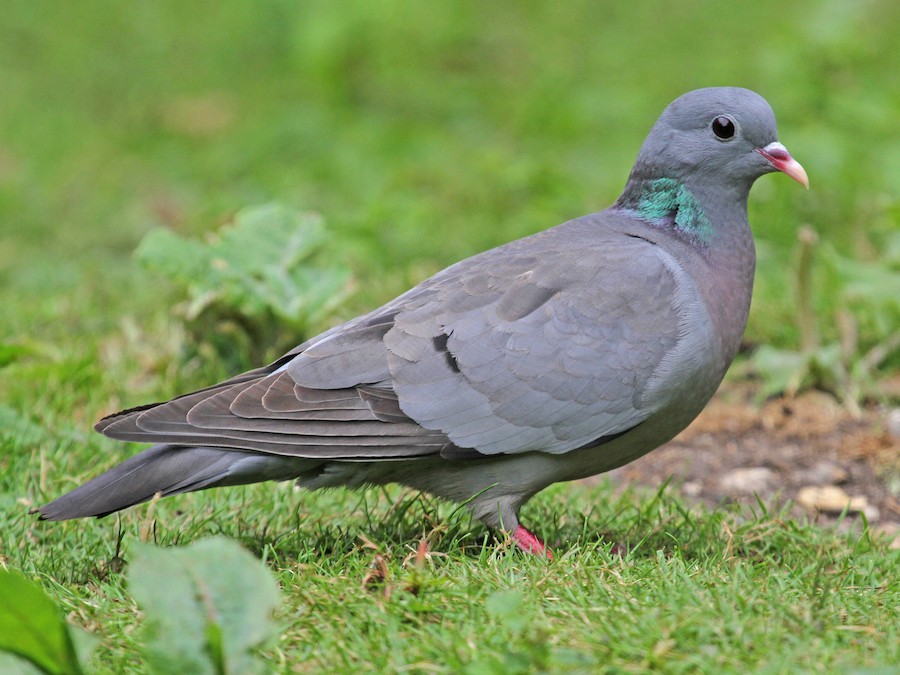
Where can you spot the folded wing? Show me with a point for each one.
(547, 344)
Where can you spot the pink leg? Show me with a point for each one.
(530, 543)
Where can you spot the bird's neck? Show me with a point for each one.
(702, 215)
(710, 220)
(671, 204)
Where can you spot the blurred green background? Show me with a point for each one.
(423, 132)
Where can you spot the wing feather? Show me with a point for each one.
(545, 344)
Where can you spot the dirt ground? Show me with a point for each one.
(807, 450)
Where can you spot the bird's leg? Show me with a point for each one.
(529, 543)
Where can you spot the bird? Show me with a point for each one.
(551, 358)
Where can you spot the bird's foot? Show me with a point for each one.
(529, 543)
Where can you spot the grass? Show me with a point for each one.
(423, 133)
(639, 583)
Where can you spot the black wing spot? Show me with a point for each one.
(382, 319)
(637, 236)
(454, 452)
(440, 345)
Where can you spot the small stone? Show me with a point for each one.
(871, 512)
(893, 422)
(692, 488)
(890, 530)
(822, 473)
(831, 499)
(748, 480)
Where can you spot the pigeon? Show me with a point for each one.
(551, 358)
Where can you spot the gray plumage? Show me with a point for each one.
(551, 358)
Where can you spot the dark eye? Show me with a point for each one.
(723, 127)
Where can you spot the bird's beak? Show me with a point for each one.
(778, 156)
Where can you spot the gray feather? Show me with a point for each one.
(169, 470)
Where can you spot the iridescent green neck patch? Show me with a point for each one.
(667, 198)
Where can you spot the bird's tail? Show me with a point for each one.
(170, 469)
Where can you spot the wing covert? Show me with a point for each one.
(546, 358)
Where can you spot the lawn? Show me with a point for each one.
(423, 133)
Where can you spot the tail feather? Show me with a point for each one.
(170, 469)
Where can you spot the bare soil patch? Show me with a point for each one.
(809, 451)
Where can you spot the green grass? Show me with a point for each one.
(639, 582)
(423, 133)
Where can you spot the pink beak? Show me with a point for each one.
(778, 156)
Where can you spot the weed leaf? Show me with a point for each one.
(208, 605)
(32, 627)
(264, 276)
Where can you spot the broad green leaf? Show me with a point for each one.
(780, 369)
(207, 606)
(182, 260)
(867, 282)
(32, 627)
(14, 665)
(509, 608)
(783, 370)
(263, 273)
(269, 237)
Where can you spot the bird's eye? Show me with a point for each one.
(723, 127)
